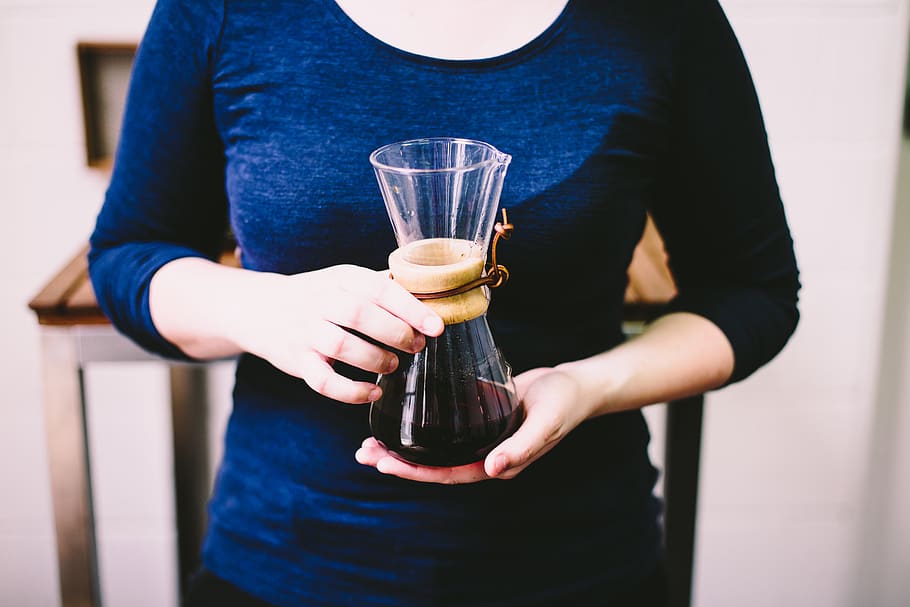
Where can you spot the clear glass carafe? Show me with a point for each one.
(452, 402)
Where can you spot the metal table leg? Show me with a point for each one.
(189, 415)
(65, 351)
(71, 486)
(681, 464)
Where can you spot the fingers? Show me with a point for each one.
(366, 317)
(551, 401)
(319, 375)
(550, 404)
(532, 440)
(333, 305)
(371, 453)
(335, 343)
(469, 473)
(389, 295)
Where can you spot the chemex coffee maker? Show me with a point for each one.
(454, 401)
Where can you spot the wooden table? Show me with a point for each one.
(74, 333)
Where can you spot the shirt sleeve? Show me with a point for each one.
(718, 207)
(166, 198)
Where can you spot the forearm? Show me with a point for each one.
(195, 305)
(678, 355)
(300, 323)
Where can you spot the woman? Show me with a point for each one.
(265, 114)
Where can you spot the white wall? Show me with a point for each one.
(882, 558)
(788, 455)
(788, 452)
(48, 200)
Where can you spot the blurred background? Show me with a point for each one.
(805, 470)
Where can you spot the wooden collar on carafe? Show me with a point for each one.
(447, 274)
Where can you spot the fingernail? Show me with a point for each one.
(418, 343)
(391, 364)
(432, 325)
(500, 464)
(375, 394)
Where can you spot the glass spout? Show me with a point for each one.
(441, 188)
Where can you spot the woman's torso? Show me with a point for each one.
(301, 97)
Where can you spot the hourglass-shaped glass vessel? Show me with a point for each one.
(452, 402)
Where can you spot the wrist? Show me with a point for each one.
(207, 309)
(600, 382)
(251, 299)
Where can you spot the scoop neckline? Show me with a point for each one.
(529, 49)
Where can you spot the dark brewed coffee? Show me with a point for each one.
(447, 424)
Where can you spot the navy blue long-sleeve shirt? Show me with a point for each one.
(263, 115)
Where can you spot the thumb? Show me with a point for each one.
(538, 434)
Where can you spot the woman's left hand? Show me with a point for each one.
(553, 408)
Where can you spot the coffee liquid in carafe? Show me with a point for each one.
(435, 411)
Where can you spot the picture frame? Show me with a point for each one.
(104, 73)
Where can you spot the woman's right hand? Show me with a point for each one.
(303, 323)
(300, 323)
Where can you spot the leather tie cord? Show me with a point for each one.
(497, 274)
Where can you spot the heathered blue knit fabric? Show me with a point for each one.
(264, 114)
